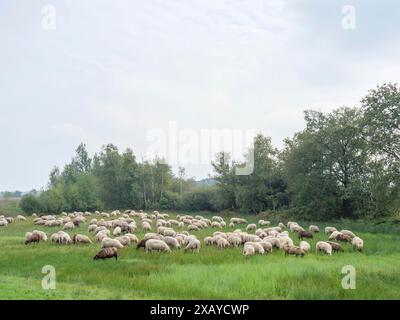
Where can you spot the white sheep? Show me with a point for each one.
(68, 226)
(324, 246)
(313, 228)
(273, 241)
(117, 231)
(146, 226)
(172, 242)
(358, 243)
(348, 233)
(257, 247)
(109, 243)
(156, 245)
(132, 237)
(42, 235)
(81, 238)
(305, 246)
(251, 226)
(329, 230)
(193, 245)
(248, 251)
(20, 218)
(102, 235)
(222, 243)
(267, 246)
(234, 240)
(208, 241)
(124, 240)
(193, 227)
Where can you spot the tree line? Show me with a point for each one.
(344, 163)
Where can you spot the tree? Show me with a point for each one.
(381, 124)
(30, 204)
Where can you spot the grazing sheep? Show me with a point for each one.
(305, 234)
(68, 226)
(217, 218)
(124, 240)
(10, 219)
(343, 237)
(3, 222)
(348, 233)
(248, 251)
(80, 238)
(194, 245)
(293, 250)
(20, 218)
(92, 227)
(238, 220)
(117, 231)
(107, 253)
(324, 247)
(285, 241)
(132, 237)
(273, 241)
(156, 236)
(172, 242)
(216, 224)
(358, 243)
(101, 235)
(222, 243)
(329, 230)
(142, 243)
(305, 246)
(61, 237)
(156, 245)
(334, 235)
(146, 226)
(109, 243)
(208, 241)
(251, 226)
(32, 238)
(193, 227)
(42, 235)
(313, 228)
(281, 225)
(264, 223)
(169, 233)
(234, 240)
(267, 246)
(336, 247)
(257, 247)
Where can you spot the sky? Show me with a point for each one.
(144, 74)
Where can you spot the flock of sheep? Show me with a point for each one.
(116, 230)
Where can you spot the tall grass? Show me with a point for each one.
(212, 274)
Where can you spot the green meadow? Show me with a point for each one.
(211, 274)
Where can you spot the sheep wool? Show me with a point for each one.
(324, 247)
(109, 243)
(156, 245)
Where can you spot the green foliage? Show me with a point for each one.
(211, 274)
(344, 164)
(30, 204)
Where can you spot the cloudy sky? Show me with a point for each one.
(113, 71)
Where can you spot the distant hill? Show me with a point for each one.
(208, 182)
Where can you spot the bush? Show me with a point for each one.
(30, 204)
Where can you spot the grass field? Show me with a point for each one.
(10, 207)
(212, 274)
